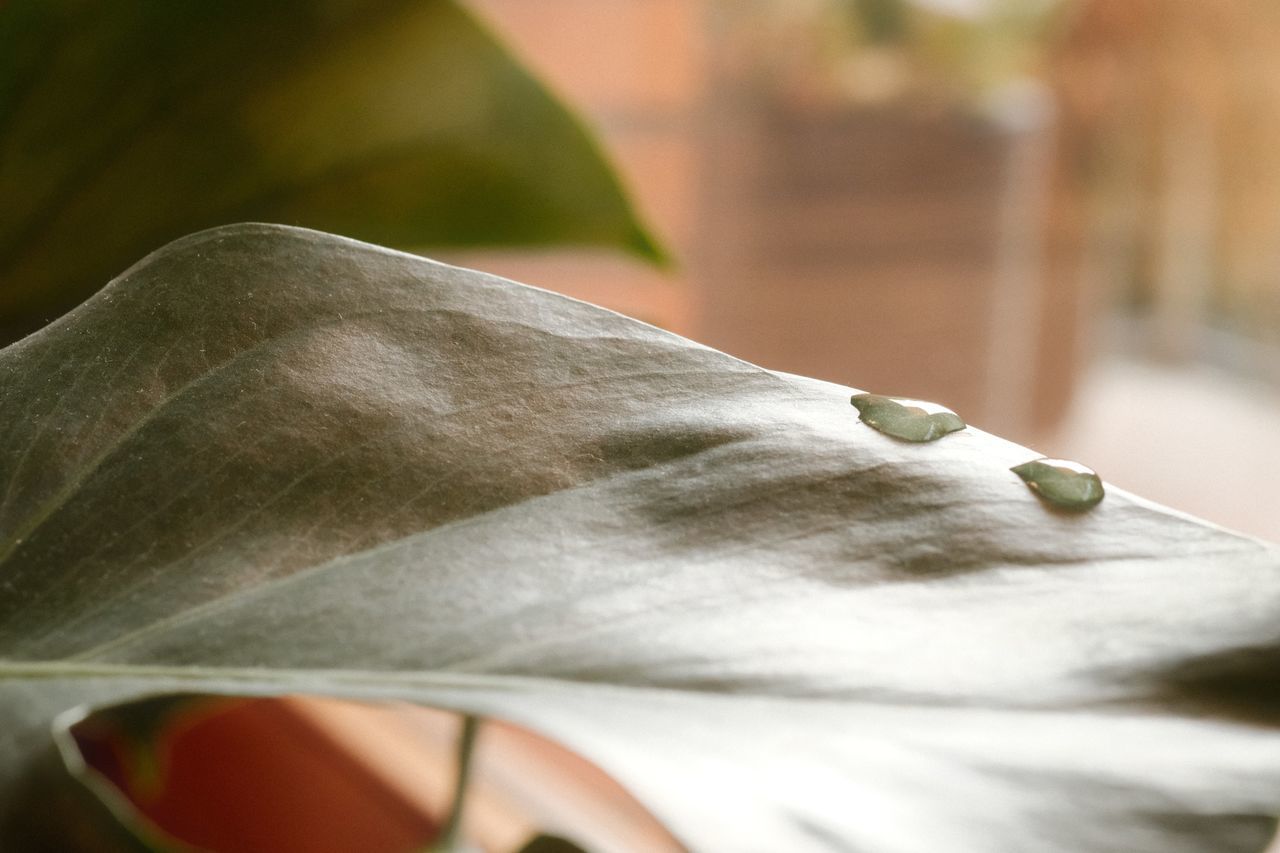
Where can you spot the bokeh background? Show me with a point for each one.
(1060, 218)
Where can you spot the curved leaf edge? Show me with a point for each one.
(126, 671)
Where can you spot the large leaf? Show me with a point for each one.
(266, 460)
(128, 123)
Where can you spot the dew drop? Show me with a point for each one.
(910, 420)
(1061, 482)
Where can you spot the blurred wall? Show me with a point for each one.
(637, 70)
(914, 248)
(1177, 107)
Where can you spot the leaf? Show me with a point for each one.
(266, 460)
(125, 124)
(550, 844)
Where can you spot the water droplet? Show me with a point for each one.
(911, 420)
(1061, 482)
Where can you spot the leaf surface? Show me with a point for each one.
(269, 460)
(126, 124)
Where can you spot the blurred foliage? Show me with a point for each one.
(127, 123)
(963, 49)
(950, 51)
(882, 21)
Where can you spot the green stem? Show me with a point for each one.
(451, 835)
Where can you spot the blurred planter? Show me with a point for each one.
(310, 774)
(899, 248)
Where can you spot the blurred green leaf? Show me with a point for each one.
(127, 123)
(550, 844)
(350, 471)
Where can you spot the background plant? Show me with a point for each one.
(127, 123)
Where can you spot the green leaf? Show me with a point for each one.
(266, 460)
(128, 123)
(550, 844)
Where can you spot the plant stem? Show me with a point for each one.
(451, 835)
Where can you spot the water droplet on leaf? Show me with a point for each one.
(910, 420)
(1061, 482)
